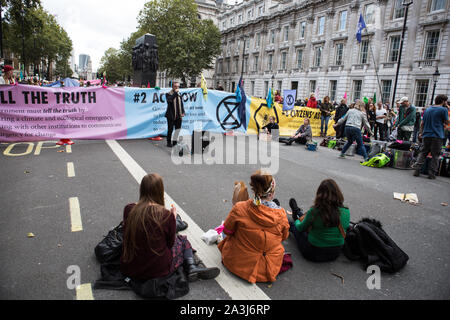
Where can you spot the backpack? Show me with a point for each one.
(110, 248)
(367, 242)
(380, 160)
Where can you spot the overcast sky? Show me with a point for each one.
(95, 25)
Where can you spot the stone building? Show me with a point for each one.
(311, 46)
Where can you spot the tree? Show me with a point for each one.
(186, 44)
(111, 64)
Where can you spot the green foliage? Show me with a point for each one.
(187, 45)
(44, 39)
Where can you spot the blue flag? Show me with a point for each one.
(289, 99)
(361, 27)
(269, 99)
(242, 100)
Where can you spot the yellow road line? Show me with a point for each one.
(68, 149)
(70, 170)
(75, 215)
(84, 292)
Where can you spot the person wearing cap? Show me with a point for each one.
(8, 76)
(406, 120)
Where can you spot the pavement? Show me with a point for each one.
(103, 177)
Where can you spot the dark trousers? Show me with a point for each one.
(310, 252)
(170, 125)
(324, 124)
(404, 135)
(380, 131)
(354, 134)
(432, 145)
(300, 140)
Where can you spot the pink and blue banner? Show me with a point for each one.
(31, 113)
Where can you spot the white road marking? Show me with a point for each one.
(70, 170)
(235, 287)
(75, 215)
(84, 292)
(68, 149)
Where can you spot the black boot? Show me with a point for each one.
(181, 225)
(194, 272)
(290, 141)
(296, 211)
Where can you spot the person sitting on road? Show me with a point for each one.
(254, 230)
(271, 125)
(320, 233)
(151, 247)
(303, 134)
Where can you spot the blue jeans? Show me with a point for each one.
(324, 120)
(354, 134)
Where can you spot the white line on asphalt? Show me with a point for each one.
(235, 287)
(75, 215)
(68, 148)
(70, 170)
(84, 292)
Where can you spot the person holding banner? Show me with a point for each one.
(175, 112)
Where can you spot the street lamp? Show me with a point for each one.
(405, 4)
(436, 75)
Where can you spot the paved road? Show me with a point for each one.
(35, 198)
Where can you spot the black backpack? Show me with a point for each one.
(368, 242)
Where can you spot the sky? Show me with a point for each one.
(95, 25)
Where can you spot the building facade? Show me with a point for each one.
(85, 67)
(311, 46)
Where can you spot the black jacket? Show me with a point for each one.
(341, 110)
(171, 100)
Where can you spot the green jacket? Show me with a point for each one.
(406, 117)
(321, 236)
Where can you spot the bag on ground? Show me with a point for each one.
(110, 248)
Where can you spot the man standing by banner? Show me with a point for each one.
(289, 99)
(175, 111)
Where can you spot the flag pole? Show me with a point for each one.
(375, 66)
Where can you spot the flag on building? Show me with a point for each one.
(241, 99)
(204, 87)
(361, 27)
(345, 95)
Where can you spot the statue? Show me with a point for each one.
(145, 61)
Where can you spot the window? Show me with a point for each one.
(227, 69)
(318, 56)
(299, 58)
(283, 60)
(224, 25)
(343, 21)
(249, 14)
(339, 54)
(238, 46)
(321, 26)
(386, 86)
(421, 93)
(438, 5)
(258, 40)
(255, 63)
(269, 62)
(236, 65)
(399, 9)
(333, 88)
(220, 67)
(231, 22)
(369, 14)
(261, 10)
(247, 43)
(302, 29)
(357, 85)
(272, 36)
(431, 46)
(266, 87)
(286, 33)
(253, 88)
(394, 49)
(245, 64)
(363, 51)
(280, 84)
(240, 18)
(312, 86)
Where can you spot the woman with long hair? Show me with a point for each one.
(320, 233)
(254, 231)
(151, 247)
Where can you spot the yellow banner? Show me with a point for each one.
(289, 121)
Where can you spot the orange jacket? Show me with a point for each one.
(252, 249)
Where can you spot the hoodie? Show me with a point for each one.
(252, 249)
